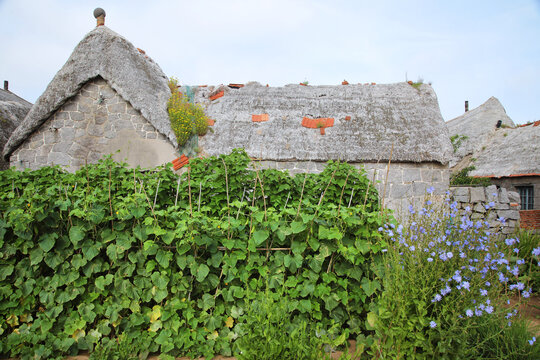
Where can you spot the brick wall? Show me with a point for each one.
(530, 219)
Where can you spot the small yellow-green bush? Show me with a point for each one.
(187, 119)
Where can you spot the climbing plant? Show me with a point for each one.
(110, 255)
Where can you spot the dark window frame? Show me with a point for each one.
(526, 196)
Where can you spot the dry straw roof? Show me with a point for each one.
(367, 121)
(102, 52)
(13, 109)
(478, 125)
(510, 152)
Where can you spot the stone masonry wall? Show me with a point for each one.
(490, 203)
(83, 129)
(406, 183)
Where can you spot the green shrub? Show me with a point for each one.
(462, 178)
(187, 119)
(529, 249)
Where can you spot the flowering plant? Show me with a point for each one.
(446, 280)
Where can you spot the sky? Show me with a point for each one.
(467, 50)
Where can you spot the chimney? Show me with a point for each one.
(6, 85)
(99, 14)
(466, 105)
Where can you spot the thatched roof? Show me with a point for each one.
(477, 125)
(13, 109)
(102, 52)
(367, 121)
(510, 152)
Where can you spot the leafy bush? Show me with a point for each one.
(109, 250)
(462, 178)
(187, 119)
(528, 244)
(445, 281)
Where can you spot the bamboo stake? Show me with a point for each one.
(343, 190)
(301, 195)
(189, 190)
(157, 190)
(177, 188)
(199, 202)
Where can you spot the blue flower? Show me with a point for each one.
(433, 324)
(536, 252)
(469, 313)
(437, 298)
(533, 340)
(429, 259)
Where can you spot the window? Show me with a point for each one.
(526, 193)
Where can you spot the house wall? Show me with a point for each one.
(510, 184)
(95, 122)
(398, 184)
(530, 219)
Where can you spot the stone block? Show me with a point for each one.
(479, 208)
(51, 137)
(477, 216)
(100, 119)
(492, 193)
(478, 194)
(67, 134)
(76, 116)
(78, 151)
(110, 134)
(399, 191)
(508, 214)
(410, 175)
(462, 199)
(461, 191)
(117, 108)
(501, 206)
(70, 106)
(107, 92)
(123, 124)
(419, 188)
(503, 196)
(44, 150)
(148, 127)
(58, 158)
(61, 147)
(93, 157)
(61, 115)
(151, 135)
(95, 130)
(84, 108)
(514, 197)
(36, 143)
(91, 87)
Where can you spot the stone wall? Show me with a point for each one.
(95, 122)
(490, 203)
(398, 184)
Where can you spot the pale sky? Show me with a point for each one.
(469, 50)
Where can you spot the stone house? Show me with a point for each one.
(108, 98)
(508, 155)
(13, 110)
(395, 131)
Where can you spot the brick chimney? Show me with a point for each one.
(466, 105)
(99, 14)
(6, 85)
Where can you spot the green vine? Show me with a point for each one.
(109, 256)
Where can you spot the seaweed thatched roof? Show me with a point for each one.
(510, 152)
(102, 52)
(368, 120)
(13, 109)
(477, 125)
